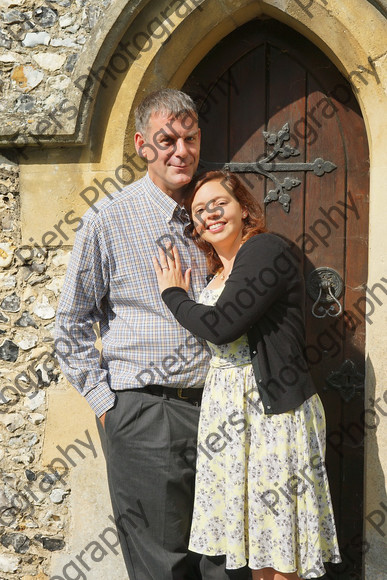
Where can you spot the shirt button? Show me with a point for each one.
(268, 407)
(260, 381)
(254, 352)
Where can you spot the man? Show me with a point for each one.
(146, 389)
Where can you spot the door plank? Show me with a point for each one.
(247, 115)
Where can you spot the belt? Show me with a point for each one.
(193, 396)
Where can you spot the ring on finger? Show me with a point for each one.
(165, 268)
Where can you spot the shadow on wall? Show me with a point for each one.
(376, 511)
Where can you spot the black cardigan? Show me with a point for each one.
(263, 297)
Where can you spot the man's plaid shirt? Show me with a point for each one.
(111, 280)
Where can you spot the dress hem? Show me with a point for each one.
(317, 573)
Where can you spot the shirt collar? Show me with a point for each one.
(166, 204)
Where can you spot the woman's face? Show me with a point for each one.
(217, 215)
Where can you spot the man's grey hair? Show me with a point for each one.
(169, 102)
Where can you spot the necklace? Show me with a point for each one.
(223, 276)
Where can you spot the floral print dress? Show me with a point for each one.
(262, 494)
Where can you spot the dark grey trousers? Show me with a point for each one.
(150, 448)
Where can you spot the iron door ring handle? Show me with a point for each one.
(324, 286)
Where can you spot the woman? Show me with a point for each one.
(262, 492)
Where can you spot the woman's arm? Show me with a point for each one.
(264, 271)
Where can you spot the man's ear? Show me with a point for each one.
(139, 142)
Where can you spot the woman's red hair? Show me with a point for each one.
(253, 224)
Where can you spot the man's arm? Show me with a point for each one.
(80, 307)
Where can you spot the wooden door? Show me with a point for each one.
(270, 99)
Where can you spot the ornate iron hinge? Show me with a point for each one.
(266, 167)
(346, 381)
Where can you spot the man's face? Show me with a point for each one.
(172, 148)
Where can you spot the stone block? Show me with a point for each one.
(69, 416)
